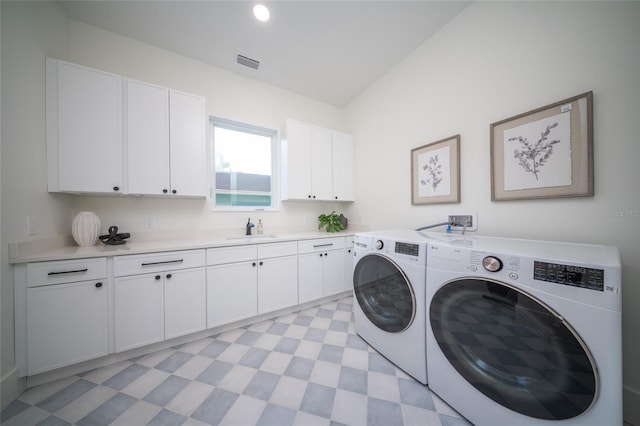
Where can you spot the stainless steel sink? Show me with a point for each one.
(253, 237)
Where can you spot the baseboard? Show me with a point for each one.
(631, 404)
(10, 387)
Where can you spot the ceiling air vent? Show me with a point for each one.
(247, 62)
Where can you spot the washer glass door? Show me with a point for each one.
(514, 349)
(384, 293)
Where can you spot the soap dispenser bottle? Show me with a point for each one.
(259, 227)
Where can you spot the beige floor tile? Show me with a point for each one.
(349, 408)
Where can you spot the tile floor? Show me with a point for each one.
(303, 368)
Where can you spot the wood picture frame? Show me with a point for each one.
(544, 153)
(435, 172)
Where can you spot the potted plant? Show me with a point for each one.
(333, 221)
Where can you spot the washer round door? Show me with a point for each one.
(514, 349)
(384, 293)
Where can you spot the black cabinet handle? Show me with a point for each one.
(173, 191)
(158, 277)
(98, 285)
(163, 262)
(116, 188)
(261, 263)
(326, 254)
(308, 196)
(314, 196)
(253, 264)
(164, 191)
(168, 275)
(75, 271)
(336, 197)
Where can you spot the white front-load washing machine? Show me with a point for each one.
(389, 290)
(525, 332)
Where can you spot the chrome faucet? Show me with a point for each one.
(249, 226)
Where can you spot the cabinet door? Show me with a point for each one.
(348, 269)
(277, 283)
(310, 277)
(321, 174)
(138, 310)
(184, 302)
(296, 161)
(147, 130)
(231, 292)
(84, 129)
(66, 324)
(343, 172)
(188, 144)
(333, 272)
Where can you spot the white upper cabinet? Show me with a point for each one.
(187, 144)
(317, 163)
(166, 150)
(147, 130)
(343, 170)
(106, 134)
(84, 129)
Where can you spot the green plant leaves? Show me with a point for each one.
(331, 221)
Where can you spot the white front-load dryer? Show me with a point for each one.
(525, 332)
(389, 290)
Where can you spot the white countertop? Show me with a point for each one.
(65, 248)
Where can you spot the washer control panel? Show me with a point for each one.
(576, 276)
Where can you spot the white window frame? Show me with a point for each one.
(275, 163)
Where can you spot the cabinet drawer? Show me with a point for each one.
(157, 262)
(65, 271)
(349, 241)
(287, 248)
(221, 255)
(321, 244)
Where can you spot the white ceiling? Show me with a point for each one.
(327, 50)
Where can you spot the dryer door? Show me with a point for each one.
(384, 293)
(514, 349)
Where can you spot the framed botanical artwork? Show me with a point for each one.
(435, 172)
(544, 153)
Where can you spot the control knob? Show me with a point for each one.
(492, 264)
(379, 244)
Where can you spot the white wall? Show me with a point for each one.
(496, 60)
(31, 31)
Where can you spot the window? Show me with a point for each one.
(243, 164)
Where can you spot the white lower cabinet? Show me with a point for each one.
(66, 324)
(321, 270)
(232, 292)
(70, 311)
(139, 311)
(244, 281)
(277, 283)
(348, 264)
(61, 313)
(163, 303)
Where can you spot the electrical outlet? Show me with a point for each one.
(148, 222)
(32, 225)
(467, 222)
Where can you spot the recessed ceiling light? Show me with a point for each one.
(261, 12)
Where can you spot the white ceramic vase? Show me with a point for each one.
(85, 228)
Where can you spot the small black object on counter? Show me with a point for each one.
(113, 238)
